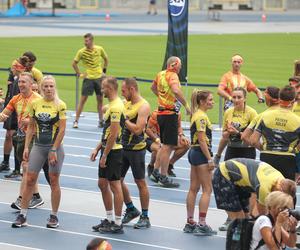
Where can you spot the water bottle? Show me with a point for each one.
(236, 234)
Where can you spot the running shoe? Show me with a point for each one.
(143, 222)
(130, 214)
(13, 175)
(35, 202)
(224, 227)
(167, 182)
(217, 159)
(155, 176)
(19, 222)
(150, 170)
(204, 230)
(4, 166)
(189, 228)
(52, 221)
(100, 124)
(16, 204)
(171, 171)
(103, 223)
(75, 124)
(112, 229)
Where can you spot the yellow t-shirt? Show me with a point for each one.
(92, 60)
(37, 75)
(257, 118)
(114, 113)
(280, 130)
(130, 141)
(47, 115)
(296, 108)
(200, 123)
(251, 175)
(240, 120)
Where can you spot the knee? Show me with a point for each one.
(194, 190)
(30, 181)
(54, 181)
(103, 186)
(207, 189)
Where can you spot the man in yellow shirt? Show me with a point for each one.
(95, 61)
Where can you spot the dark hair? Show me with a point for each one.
(94, 244)
(30, 55)
(287, 93)
(89, 35)
(131, 82)
(241, 89)
(112, 81)
(24, 60)
(198, 96)
(273, 92)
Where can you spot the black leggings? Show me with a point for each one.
(232, 152)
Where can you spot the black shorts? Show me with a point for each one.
(196, 157)
(168, 126)
(228, 196)
(136, 160)
(112, 171)
(91, 85)
(149, 142)
(12, 122)
(285, 164)
(232, 152)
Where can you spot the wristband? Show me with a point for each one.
(53, 150)
(210, 161)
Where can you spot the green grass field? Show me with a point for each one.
(268, 60)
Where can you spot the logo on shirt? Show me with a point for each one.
(176, 7)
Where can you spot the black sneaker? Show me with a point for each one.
(155, 176)
(189, 228)
(13, 175)
(20, 221)
(167, 182)
(170, 171)
(130, 214)
(4, 166)
(150, 169)
(16, 204)
(103, 223)
(112, 229)
(52, 221)
(143, 222)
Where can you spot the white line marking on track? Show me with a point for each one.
(93, 235)
(19, 246)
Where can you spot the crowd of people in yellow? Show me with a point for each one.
(35, 121)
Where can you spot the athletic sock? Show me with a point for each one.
(118, 220)
(110, 215)
(144, 212)
(6, 158)
(24, 212)
(54, 213)
(202, 218)
(129, 206)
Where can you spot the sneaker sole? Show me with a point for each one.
(203, 234)
(37, 205)
(153, 179)
(19, 226)
(14, 206)
(138, 227)
(52, 226)
(166, 186)
(111, 232)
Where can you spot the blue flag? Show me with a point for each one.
(178, 34)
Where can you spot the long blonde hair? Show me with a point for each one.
(56, 99)
(198, 95)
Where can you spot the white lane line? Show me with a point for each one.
(84, 131)
(102, 236)
(95, 216)
(18, 246)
